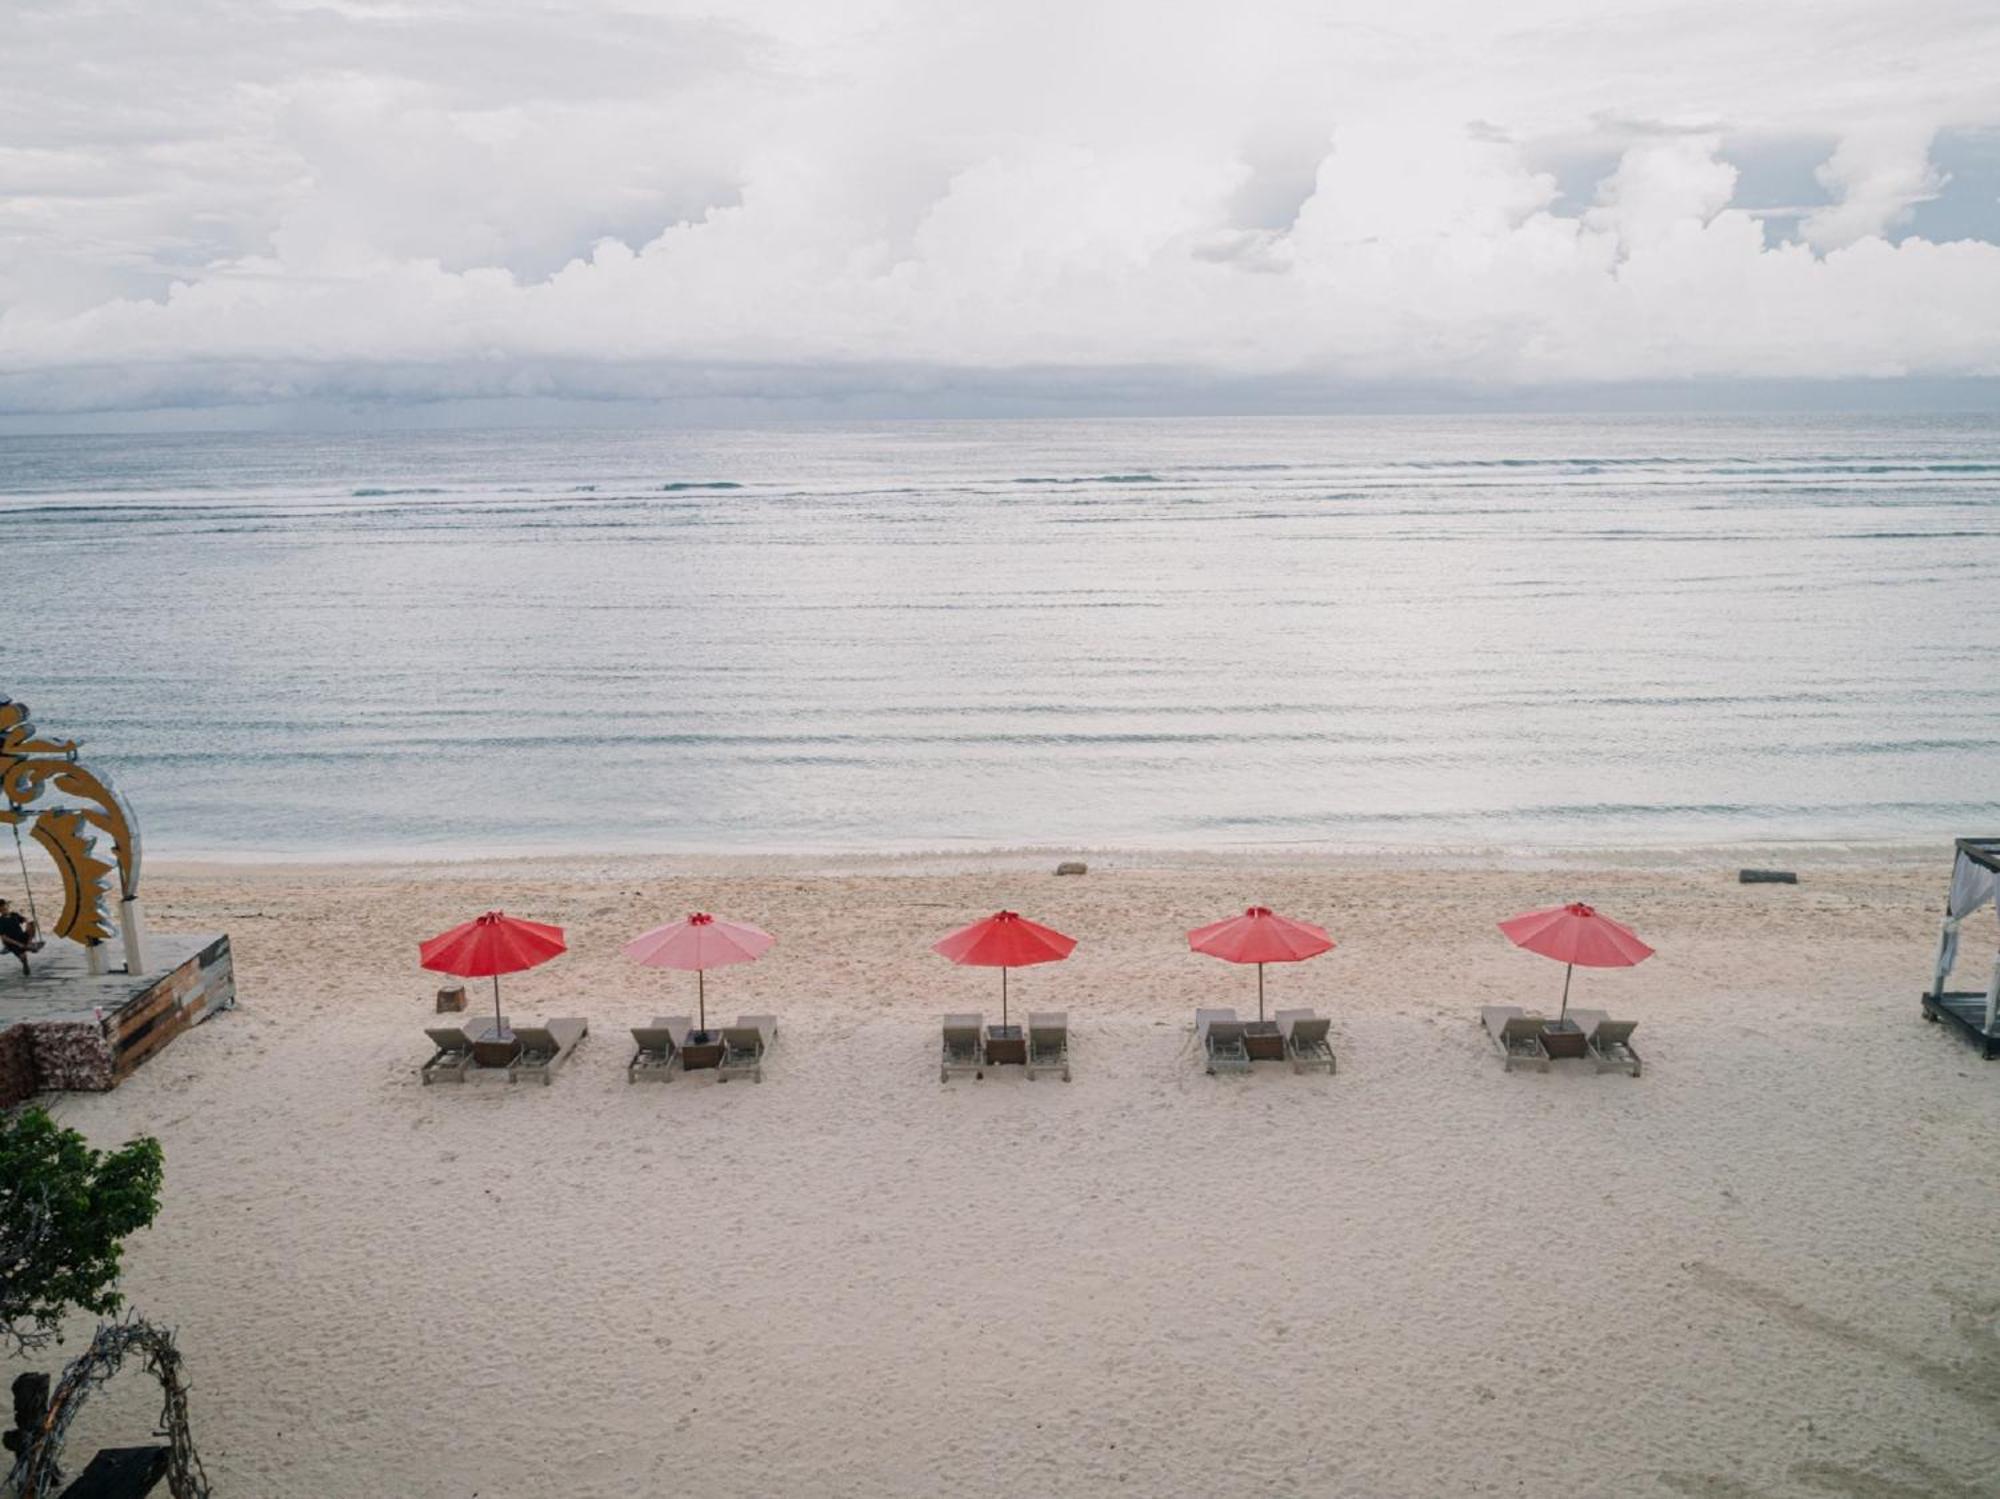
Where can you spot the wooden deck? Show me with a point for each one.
(89, 1030)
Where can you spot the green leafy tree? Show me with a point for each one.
(64, 1208)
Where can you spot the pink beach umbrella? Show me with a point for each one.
(1574, 934)
(1260, 936)
(700, 942)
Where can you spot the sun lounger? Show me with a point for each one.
(1608, 1041)
(1048, 1042)
(453, 1057)
(545, 1046)
(964, 1047)
(658, 1049)
(1517, 1036)
(743, 1047)
(1306, 1043)
(1220, 1035)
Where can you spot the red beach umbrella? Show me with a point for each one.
(1004, 940)
(1260, 936)
(1574, 934)
(489, 946)
(700, 941)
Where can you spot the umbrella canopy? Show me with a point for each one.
(489, 946)
(700, 941)
(1576, 934)
(1004, 940)
(1260, 936)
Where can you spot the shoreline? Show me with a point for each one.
(1803, 853)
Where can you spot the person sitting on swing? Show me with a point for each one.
(18, 934)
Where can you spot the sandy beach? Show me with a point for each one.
(1765, 1268)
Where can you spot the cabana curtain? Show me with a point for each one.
(1972, 886)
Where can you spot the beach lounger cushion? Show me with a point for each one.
(544, 1047)
(964, 1047)
(1608, 1041)
(1220, 1034)
(1048, 1042)
(453, 1055)
(743, 1047)
(1307, 1043)
(657, 1048)
(1517, 1036)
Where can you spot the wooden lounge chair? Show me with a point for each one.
(453, 1057)
(964, 1047)
(1306, 1043)
(1223, 1047)
(1517, 1036)
(1048, 1042)
(743, 1047)
(658, 1049)
(544, 1047)
(1608, 1041)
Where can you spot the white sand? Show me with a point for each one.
(1769, 1267)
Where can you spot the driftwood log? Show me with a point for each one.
(1766, 877)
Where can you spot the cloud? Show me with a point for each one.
(1877, 177)
(215, 203)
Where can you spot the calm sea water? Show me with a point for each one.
(1502, 633)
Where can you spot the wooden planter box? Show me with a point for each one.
(1006, 1043)
(1565, 1040)
(1264, 1041)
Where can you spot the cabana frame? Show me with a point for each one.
(1974, 1014)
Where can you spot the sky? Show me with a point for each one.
(243, 205)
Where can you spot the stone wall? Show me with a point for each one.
(72, 1056)
(17, 1065)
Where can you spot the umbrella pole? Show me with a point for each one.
(499, 1025)
(1260, 993)
(1568, 969)
(1003, 997)
(701, 1000)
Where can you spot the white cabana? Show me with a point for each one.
(1975, 882)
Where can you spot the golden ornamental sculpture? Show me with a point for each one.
(66, 807)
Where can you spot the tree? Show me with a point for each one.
(64, 1208)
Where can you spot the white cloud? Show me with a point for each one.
(222, 201)
(1877, 176)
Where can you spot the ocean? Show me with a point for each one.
(1458, 633)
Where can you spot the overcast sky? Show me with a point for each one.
(234, 202)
